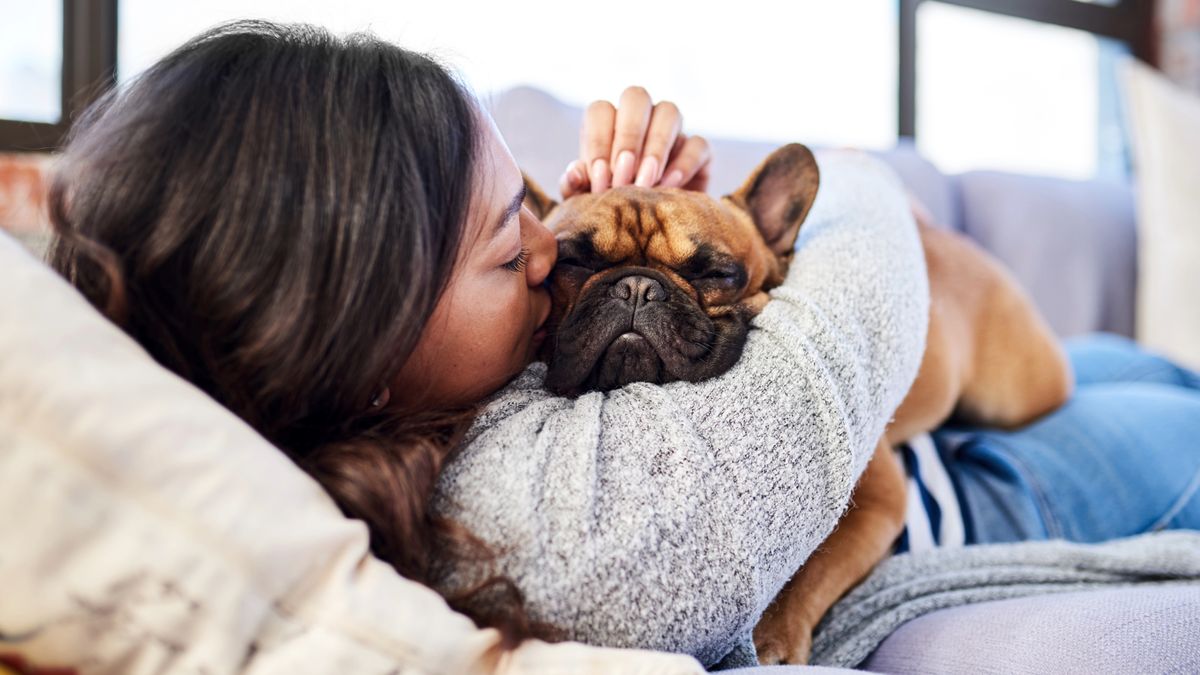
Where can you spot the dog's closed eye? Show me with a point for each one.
(730, 277)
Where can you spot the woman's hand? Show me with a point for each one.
(637, 143)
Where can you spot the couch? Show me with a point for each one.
(145, 529)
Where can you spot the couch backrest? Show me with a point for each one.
(1071, 244)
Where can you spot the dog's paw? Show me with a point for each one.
(783, 644)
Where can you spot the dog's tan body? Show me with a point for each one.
(989, 357)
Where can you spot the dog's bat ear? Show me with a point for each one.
(779, 193)
(536, 199)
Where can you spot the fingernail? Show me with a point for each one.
(623, 172)
(600, 175)
(673, 179)
(648, 173)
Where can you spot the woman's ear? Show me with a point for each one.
(536, 199)
(779, 193)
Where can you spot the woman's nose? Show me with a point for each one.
(543, 248)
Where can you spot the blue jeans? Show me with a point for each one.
(1122, 457)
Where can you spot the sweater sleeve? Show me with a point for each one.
(667, 517)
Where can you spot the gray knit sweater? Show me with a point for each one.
(668, 517)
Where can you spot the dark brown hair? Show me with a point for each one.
(273, 213)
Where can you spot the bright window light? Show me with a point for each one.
(1001, 93)
(816, 71)
(31, 60)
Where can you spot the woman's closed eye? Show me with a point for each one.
(517, 264)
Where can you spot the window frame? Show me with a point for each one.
(1128, 21)
(89, 67)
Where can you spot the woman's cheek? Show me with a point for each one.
(516, 310)
(501, 314)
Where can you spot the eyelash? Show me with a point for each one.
(517, 264)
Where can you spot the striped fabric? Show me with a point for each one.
(933, 517)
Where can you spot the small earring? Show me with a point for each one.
(381, 399)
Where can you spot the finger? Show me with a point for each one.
(665, 121)
(574, 179)
(676, 147)
(671, 164)
(689, 167)
(595, 143)
(633, 117)
(699, 182)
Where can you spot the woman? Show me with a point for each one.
(326, 236)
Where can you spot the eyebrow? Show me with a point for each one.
(513, 207)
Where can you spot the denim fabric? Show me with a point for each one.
(1122, 457)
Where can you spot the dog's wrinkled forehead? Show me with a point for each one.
(637, 226)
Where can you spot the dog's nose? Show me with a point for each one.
(637, 290)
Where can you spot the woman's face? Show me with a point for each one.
(486, 327)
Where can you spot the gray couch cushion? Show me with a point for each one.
(935, 189)
(541, 131)
(1071, 244)
(1127, 630)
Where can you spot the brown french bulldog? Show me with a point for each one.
(659, 285)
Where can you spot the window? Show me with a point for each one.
(977, 89)
(56, 56)
(821, 72)
(31, 61)
(1005, 93)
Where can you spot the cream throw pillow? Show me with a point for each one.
(1165, 121)
(145, 529)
